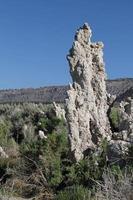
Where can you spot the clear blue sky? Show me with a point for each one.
(35, 36)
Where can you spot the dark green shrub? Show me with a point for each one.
(45, 154)
(30, 149)
(51, 161)
(76, 192)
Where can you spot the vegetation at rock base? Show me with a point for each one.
(115, 117)
(44, 168)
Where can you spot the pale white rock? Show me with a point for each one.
(110, 99)
(2, 153)
(59, 111)
(25, 127)
(86, 106)
(42, 134)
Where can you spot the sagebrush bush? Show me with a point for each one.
(115, 186)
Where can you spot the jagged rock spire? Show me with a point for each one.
(86, 106)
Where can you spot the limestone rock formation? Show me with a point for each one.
(86, 106)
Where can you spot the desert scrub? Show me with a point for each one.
(46, 121)
(51, 161)
(46, 154)
(42, 156)
(75, 192)
(114, 188)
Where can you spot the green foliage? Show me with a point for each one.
(117, 172)
(4, 130)
(46, 123)
(115, 117)
(42, 123)
(30, 149)
(51, 161)
(46, 153)
(76, 192)
(78, 172)
(55, 175)
(6, 142)
(89, 169)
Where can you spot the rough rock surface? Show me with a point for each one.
(122, 136)
(86, 106)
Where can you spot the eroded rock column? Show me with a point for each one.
(86, 106)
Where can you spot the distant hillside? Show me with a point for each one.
(119, 86)
(39, 95)
(57, 93)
